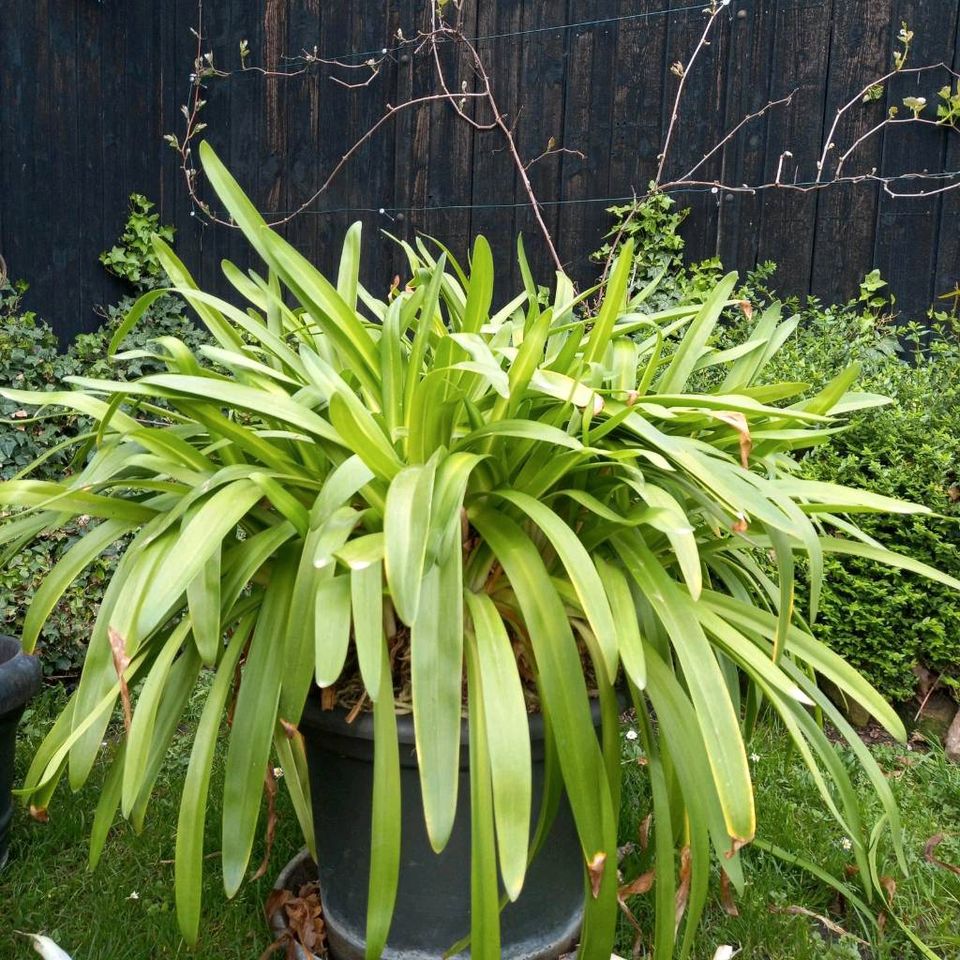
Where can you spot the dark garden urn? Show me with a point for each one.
(433, 898)
(19, 681)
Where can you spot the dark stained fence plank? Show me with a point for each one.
(906, 238)
(540, 110)
(947, 277)
(801, 47)
(96, 231)
(699, 119)
(493, 173)
(59, 146)
(413, 130)
(749, 65)
(638, 98)
(19, 116)
(88, 91)
(587, 128)
(402, 91)
(372, 179)
(335, 134)
(847, 214)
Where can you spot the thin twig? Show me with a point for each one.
(714, 12)
(783, 101)
(888, 122)
(857, 98)
(552, 152)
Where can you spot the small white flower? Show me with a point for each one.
(134, 895)
(631, 734)
(754, 757)
(846, 843)
(277, 773)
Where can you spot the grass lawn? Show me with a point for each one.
(124, 911)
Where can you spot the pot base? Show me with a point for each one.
(302, 869)
(432, 911)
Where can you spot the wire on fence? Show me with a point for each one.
(515, 34)
(523, 204)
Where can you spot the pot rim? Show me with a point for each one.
(334, 721)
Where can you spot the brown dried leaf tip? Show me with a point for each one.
(118, 647)
(39, 814)
(683, 888)
(726, 896)
(739, 423)
(736, 845)
(595, 869)
(740, 525)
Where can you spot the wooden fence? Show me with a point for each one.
(88, 90)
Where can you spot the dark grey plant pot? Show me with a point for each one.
(19, 681)
(433, 899)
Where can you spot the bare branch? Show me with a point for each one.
(475, 103)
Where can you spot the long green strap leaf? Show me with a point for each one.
(708, 691)
(253, 723)
(188, 869)
(385, 829)
(508, 747)
(484, 899)
(565, 698)
(406, 525)
(366, 596)
(331, 629)
(436, 666)
(203, 600)
(580, 570)
(69, 567)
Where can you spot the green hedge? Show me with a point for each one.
(883, 621)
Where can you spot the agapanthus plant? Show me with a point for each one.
(337, 477)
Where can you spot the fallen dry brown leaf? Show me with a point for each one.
(929, 856)
(303, 914)
(830, 925)
(638, 885)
